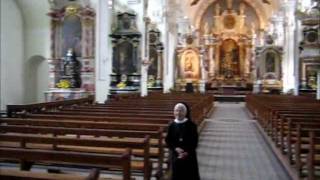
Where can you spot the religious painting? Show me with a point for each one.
(311, 71)
(71, 35)
(123, 63)
(153, 68)
(270, 62)
(190, 65)
(229, 59)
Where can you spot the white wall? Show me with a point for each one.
(36, 48)
(12, 54)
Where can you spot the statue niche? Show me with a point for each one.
(269, 68)
(229, 64)
(71, 35)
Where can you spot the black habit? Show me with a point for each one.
(185, 136)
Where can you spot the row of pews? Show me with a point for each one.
(293, 124)
(121, 139)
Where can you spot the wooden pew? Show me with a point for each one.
(73, 158)
(294, 125)
(84, 124)
(84, 145)
(14, 174)
(14, 110)
(307, 151)
(56, 131)
(99, 118)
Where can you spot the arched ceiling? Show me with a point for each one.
(263, 8)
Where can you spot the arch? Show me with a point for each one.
(203, 7)
(37, 81)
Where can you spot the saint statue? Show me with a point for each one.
(122, 63)
(217, 10)
(188, 63)
(229, 4)
(207, 30)
(242, 8)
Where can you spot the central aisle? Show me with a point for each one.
(231, 148)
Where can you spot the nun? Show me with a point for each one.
(182, 140)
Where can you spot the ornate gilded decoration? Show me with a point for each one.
(72, 10)
(189, 64)
(229, 21)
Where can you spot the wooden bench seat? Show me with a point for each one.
(103, 119)
(85, 145)
(91, 132)
(83, 124)
(289, 120)
(308, 153)
(72, 158)
(15, 174)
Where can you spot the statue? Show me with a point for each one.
(188, 62)
(207, 30)
(242, 8)
(227, 61)
(253, 28)
(71, 69)
(217, 10)
(229, 4)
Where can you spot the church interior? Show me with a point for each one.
(94, 84)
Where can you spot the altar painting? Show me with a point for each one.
(189, 65)
(229, 64)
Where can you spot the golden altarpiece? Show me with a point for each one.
(188, 62)
(228, 45)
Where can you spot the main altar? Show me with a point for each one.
(228, 48)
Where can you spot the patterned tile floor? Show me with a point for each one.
(231, 148)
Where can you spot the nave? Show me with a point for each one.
(231, 147)
(125, 136)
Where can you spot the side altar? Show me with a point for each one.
(71, 66)
(125, 76)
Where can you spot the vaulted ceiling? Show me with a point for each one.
(195, 9)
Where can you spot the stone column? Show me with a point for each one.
(211, 61)
(159, 67)
(145, 61)
(217, 58)
(289, 46)
(202, 82)
(247, 63)
(103, 52)
(242, 59)
(253, 66)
